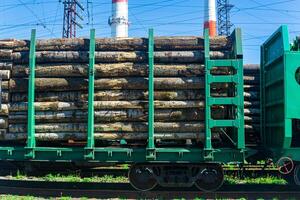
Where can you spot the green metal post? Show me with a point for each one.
(91, 71)
(151, 146)
(240, 89)
(208, 144)
(31, 143)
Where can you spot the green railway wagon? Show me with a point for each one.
(280, 101)
(152, 164)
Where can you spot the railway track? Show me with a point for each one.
(124, 190)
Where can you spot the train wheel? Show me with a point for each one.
(141, 177)
(297, 175)
(210, 178)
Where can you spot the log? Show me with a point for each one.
(116, 57)
(3, 122)
(113, 70)
(4, 96)
(252, 68)
(179, 127)
(121, 70)
(5, 55)
(113, 105)
(5, 74)
(130, 115)
(9, 44)
(5, 85)
(251, 80)
(51, 137)
(252, 111)
(119, 95)
(121, 44)
(112, 127)
(5, 65)
(4, 110)
(72, 84)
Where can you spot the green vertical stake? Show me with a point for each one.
(31, 112)
(151, 90)
(208, 145)
(91, 71)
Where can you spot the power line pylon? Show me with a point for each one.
(224, 22)
(71, 14)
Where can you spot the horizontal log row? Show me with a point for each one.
(51, 137)
(110, 105)
(119, 70)
(117, 57)
(192, 127)
(120, 44)
(132, 83)
(132, 115)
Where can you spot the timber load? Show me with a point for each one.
(252, 116)
(121, 89)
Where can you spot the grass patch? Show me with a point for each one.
(73, 178)
(15, 197)
(270, 180)
(229, 179)
(94, 179)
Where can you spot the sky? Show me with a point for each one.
(258, 19)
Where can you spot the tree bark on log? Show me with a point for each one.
(51, 137)
(5, 74)
(73, 84)
(113, 70)
(120, 95)
(165, 127)
(121, 44)
(5, 55)
(112, 127)
(3, 122)
(4, 85)
(4, 110)
(130, 115)
(5, 65)
(116, 57)
(4, 96)
(113, 105)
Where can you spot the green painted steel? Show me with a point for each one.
(122, 155)
(91, 71)
(237, 100)
(31, 143)
(151, 146)
(150, 153)
(280, 95)
(208, 143)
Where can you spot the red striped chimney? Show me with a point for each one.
(210, 20)
(119, 19)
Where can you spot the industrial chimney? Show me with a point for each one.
(119, 19)
(210, 17)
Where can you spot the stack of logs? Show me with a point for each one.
(121, 84)
(252, 94)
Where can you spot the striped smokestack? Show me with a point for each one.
(210, 17)
(119, 19)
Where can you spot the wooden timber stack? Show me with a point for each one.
(121, 84)
(252, 94)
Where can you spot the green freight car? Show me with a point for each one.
(280, 101)
(167, 164)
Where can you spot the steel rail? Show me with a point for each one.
(124, 190)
